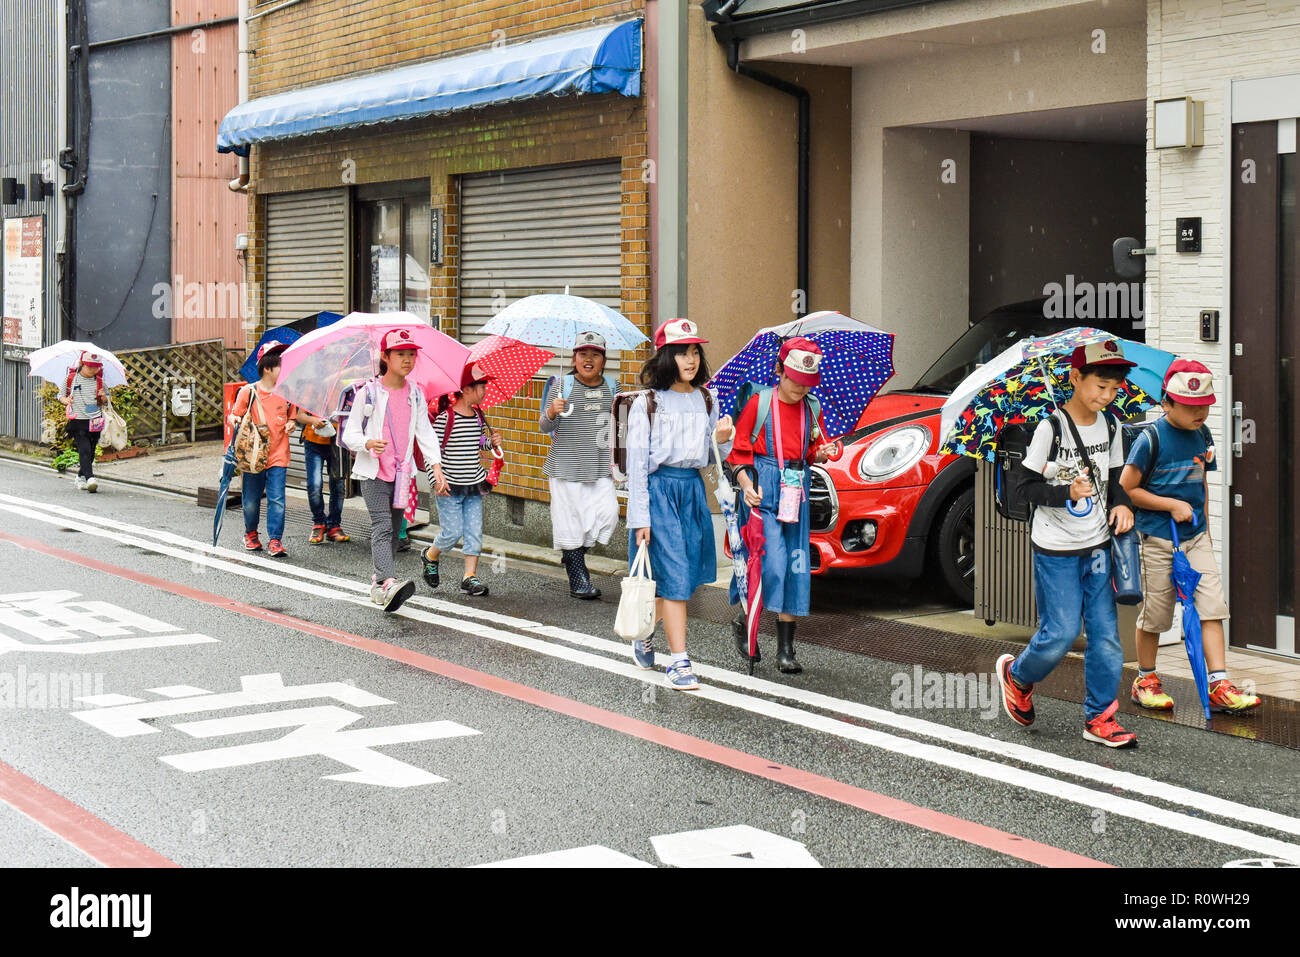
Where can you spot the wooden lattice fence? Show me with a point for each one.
(147, 368)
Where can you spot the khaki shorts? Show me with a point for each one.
(1156, 613)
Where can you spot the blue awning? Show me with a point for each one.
(602, 59)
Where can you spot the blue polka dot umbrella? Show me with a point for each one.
(857, 360)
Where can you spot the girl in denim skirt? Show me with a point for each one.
(669, 439)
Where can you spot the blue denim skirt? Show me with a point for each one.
(683, 555)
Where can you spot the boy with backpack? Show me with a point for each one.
(1071, 472)
(1166, 478)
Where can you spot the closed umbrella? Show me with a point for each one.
(223, 489)
(755, 545)
(1186, 578)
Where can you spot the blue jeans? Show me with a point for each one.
(270, 482)
(319, 460)
(1072, 590)
(460, 515)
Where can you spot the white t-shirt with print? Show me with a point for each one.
(1080, 525)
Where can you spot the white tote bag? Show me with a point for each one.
(636, 606)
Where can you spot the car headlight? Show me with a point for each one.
(894, 453)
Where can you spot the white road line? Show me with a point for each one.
(1109, 777)
(1052, 787)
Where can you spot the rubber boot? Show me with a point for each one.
(785, 648)
(738, 631)
(580, 585)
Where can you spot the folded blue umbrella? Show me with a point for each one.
(1186, 578)
(227, 474)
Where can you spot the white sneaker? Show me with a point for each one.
(92, 484)
(81, 484)
(392, 593)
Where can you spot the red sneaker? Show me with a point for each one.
(275, 548)
(1016, 701)
(317, 535)
(1104, 729)
(337, 534)
(251, 543)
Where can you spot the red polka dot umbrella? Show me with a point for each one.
(509, 362)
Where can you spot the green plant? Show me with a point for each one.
(56, 422)
(126, 401)
(65, 459)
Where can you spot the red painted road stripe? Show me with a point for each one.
(968, 831)
(95, 838)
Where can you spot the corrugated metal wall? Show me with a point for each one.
(1004, 560)
(30, 103)
(206, 214)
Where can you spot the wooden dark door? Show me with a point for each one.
(1265, 522)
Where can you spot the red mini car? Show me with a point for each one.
(891, 504)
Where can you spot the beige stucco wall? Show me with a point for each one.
(926, 258)
(741, 194)
(1194, 48)
(1033, 74)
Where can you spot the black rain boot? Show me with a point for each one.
(785, 648)
(738, 631)
(579, 584)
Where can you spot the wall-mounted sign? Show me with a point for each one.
(1189, 234)
(435, 236)
(23, 282)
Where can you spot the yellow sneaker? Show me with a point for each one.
(1225, 696)
(1147, 693)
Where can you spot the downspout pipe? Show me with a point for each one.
(805, 155)
(241, 183)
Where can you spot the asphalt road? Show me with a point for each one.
(204, 707)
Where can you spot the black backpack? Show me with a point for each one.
(1013, 443)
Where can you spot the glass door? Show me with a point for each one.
(391, 271)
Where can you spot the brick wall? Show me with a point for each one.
(321, 40)
(517, 135)
(1194, 47)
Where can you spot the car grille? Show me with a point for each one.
(823, 503)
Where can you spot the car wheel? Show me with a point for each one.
(955, 547)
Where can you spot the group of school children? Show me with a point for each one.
(1074, 472)
(1077, 476)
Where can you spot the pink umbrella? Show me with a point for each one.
(510, 363)
(755, 544)
(316, 368)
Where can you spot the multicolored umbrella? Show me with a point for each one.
(1186, 578)
(510, 363)
(1026, 382)
(315, 369)
(555, 320)
(857, 359)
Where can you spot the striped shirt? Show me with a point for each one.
(579, 442)
(84, 403)
(461, 464)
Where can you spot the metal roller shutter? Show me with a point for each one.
(535, 231)
(306, 254)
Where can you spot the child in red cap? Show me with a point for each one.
(1166, 477)
(780, 432)
(84, 397)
